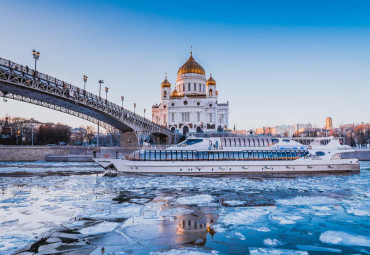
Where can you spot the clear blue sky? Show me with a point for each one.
(277, 62)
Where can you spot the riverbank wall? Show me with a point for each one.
(59, 153)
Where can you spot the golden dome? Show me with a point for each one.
(211, 81)
(174, 92)
(191, 66)
(166, 83)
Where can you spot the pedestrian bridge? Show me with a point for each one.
(20, 83)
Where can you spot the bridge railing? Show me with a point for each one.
(73, 90)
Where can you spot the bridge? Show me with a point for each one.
(21, 83)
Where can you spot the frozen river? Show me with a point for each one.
(87, 214)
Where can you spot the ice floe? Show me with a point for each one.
(274, 251)
(195, 200)
(343, 238)
(242, 216)
(100, 228)
(272, 242)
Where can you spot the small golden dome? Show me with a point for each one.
(191, 66)
(211, 81)
(216, 92)
(166, 83)
(174, 92)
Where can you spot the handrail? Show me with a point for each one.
(77, 92)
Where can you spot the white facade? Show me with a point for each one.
(193, 105)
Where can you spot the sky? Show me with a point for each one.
(276, 62)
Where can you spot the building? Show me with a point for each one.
(283, 130)
(329, 123)
(192, 106)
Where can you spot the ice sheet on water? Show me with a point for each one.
(274, 251)
(178, 211)
(284, 220)
(261, 229)
(272, 242)
(11, 243)
(236, 235)
(100, 228)
(343, 238)
(234, 202)
(195, 200)
(242, 215)
(317, 248)
(307, 201)
(185, 251)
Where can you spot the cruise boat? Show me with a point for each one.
(238, 155)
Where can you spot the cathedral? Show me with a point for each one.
(192, 106)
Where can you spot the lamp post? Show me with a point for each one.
(97, 139)
(134, 107)
(85, 80)
(122, 98)
(106, 94)
(144, 113)
(36, 56)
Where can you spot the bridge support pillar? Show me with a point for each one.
(129, 139)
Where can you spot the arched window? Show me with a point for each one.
(164, 93)
(195, 87)
(204, 88)
(210, 92)
(188, 86)
(183, 87)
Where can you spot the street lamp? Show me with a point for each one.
(97, 138)
(36, 56)
(122, 98)
(144, 113)
(134, 107)
(106, 94)
(85, 80)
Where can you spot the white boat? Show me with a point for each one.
(238, 155)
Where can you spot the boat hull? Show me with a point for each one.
(301, 166)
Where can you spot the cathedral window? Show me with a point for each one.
(185, 116)
(183, 87)
(198, 116)
(164, 93)
(173, 117)
(185, 102)
(204, 88)
(173, 104)
(198, 103)
(188, 86)
(210, 117)
(210, 92)
(195, 87)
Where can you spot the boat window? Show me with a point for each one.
(236, 156)
(178, 155)
(320, 153)
(294, 154)
(157, 155)
(284, 155)
(216, 144)
(274, 140)
(190, 142)
(289, 155)
(265, 155)
(260, 155)
(174, 156)
(163, 155)
(168, 155)
(184, 155)
(190, 155)
(240, 155)
(258, 142)
(216, 155)
(250, 155)
(205, 155)
(142, 155)
(221, 156)
(279, 155)
(195, 155)
(286, 140)
(210, 156)
(274, 155)
(263, 142)
(200, 155)
(270, 155)
(245, 155)
(254, 143)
